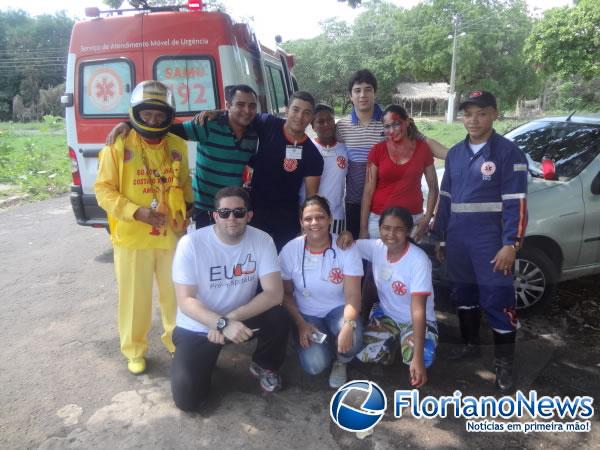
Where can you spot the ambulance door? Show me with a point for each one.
(182, 53)
(107, 61)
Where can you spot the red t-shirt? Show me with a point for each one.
(399, 184)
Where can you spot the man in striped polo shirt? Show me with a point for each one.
(225, 145)
(360, 131)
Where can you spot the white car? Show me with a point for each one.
(562, 241)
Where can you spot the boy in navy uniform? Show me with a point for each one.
(481, 221)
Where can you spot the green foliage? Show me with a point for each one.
(114, 4)
(325, 63)
(33, 54)
(412, 45)
(489, 46)
(567, 41)
(351, 3)
(53, 123)
(572, 94)
(34, 160)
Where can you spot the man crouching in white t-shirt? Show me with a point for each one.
(216, 271)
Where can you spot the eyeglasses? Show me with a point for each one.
(238, 213)
(389, 126)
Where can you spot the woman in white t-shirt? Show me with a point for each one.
(322, 293)
(404, 316)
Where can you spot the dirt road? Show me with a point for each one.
(65, 384)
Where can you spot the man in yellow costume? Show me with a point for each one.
(143, 184)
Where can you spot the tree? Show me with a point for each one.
(567, 41)
(208, 4)
(374, 36)
(33, 53)
(351, 3)
(326, 62)
(413, 45)
(114, 4)
(490, 46)
(323, 61)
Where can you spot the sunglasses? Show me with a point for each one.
(238, 213)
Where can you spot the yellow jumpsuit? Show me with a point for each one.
(129, 177)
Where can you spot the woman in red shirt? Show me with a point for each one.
(394, 173)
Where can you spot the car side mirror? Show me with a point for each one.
(596, 184)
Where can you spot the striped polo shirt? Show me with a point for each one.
(220, 157)
(359, 139)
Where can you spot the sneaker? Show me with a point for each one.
(338, 375)
(270, 381)
(136, 366)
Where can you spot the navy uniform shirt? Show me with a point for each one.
(277, 179)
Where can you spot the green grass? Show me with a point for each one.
(33, 158)
(450, 134)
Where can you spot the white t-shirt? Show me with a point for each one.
(397, 281)
(333, 179)
(226, 275)
(323, 273)
(476, 148)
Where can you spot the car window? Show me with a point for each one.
(572, 146)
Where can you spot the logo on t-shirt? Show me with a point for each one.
(175, 155)
(341, 162)
(225, 272)
(399, 288)
(336, 276)
(289, 165)
(127, 155)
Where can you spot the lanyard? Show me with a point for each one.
(330, 248)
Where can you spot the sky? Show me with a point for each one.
(267, 20)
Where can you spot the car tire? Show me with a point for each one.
(535, 278)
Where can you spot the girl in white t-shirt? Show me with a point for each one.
(404, 316)
(322, 293)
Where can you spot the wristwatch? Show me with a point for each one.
(222, 322)
(352, 323)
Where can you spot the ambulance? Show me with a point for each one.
(196, 53)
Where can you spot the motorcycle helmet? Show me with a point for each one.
(154, 95)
